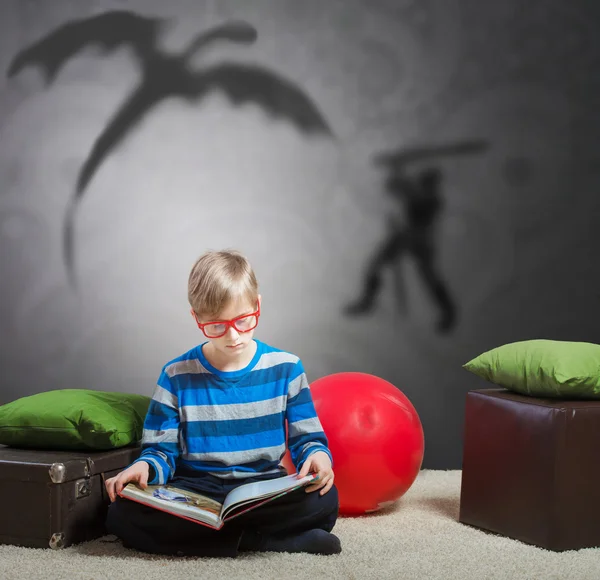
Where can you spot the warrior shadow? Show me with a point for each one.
(421, 199)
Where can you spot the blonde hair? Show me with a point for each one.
(218, 277)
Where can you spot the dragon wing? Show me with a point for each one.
(278, 96)
(109, 30)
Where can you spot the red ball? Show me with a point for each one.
(375, 437)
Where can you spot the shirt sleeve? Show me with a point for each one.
(305, 432)
(160, 439)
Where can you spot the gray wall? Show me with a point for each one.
(516, 243)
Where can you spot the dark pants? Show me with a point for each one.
(150, 530)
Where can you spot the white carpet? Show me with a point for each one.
(419, 537)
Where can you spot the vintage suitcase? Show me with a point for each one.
(56, 498)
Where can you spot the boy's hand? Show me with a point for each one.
(319, 463)
(137, 473)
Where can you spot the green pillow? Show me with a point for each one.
(543, 368)
(75, 419)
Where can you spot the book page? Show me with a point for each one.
(261, 489)
(175, 500)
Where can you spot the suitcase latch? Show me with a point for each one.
(84, 488)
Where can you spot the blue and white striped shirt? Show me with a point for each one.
(230, 424)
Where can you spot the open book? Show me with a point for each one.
(204, 510)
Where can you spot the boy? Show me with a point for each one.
(217, 420)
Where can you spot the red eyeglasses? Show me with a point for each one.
(244, 323)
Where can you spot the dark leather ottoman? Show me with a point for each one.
(531, 469)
